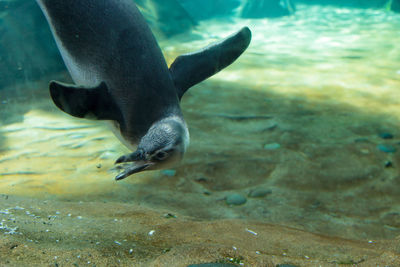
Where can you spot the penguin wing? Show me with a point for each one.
(190, 69)
(85, 102)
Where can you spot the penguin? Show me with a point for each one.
(120, 75)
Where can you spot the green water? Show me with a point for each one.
(298, 115)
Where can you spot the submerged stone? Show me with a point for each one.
(201, 180)
(259, 192)
(386, 135)
(388, 164)
(235, 199)
(386, 148)
(272, 146)
(169, 173)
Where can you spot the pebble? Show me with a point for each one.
(235, 199)
(386, 148)
(259, 192)
(201, 180)
(169, 173)
(169, 216)
(386, 135)
(388, 164)
(272, 146)
(251, 232)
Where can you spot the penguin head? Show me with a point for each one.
(161, 147)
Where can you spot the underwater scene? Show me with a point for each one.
(292, 109)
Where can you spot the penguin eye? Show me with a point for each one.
(161, 155)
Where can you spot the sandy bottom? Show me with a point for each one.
(297, 128)
(58, 233)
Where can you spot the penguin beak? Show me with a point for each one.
(132, 169)
(139, 163)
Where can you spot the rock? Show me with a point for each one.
(272, 146)
(259, 192)
(364, 151)
(386, 148)
(169, 173)
(235, 199)
(201, 180)
(386, 135)
(388, 164)
(169, 216)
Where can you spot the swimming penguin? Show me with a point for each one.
(120, 75)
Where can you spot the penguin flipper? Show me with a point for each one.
(190, 69)
(85, 102)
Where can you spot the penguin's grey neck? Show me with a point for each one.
(168, 131)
